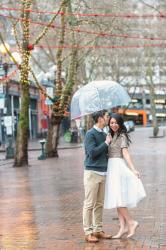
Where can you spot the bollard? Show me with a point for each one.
(43, 155)
(9, 149)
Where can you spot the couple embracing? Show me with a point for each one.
(110, 177)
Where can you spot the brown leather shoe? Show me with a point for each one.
(91, 238)
(102, 235)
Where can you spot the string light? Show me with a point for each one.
(128, 15)
(101, 34)
(102, 46)
(25, 49)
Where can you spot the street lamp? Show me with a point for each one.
(8, 117)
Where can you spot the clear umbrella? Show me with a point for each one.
(98, 95)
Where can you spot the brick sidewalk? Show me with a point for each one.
(41, 206)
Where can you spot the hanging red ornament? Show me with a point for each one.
(30, 46)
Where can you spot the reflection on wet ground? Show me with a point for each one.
(41, 206)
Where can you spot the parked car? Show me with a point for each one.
(129, 125)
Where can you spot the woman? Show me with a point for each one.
(123, 185)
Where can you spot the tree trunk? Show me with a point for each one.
(63, 92)
(53, 138)
(88, 122)
(21, 156)
(53, 131)
(153, 111)
(152, 101)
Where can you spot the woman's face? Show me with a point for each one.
(114, 125)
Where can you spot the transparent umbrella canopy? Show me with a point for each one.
(98, 95)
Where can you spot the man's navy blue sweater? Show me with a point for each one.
(96, 151)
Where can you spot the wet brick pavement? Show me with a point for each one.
(41, 206)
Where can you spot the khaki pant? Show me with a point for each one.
(94, 185)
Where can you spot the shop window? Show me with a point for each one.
(16, 102)
(33, 104)
(147, 101)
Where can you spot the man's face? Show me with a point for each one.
(104, 120)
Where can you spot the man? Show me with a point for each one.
(96, 150)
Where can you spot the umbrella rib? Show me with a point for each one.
(99, 98)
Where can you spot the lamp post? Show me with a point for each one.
(8, 117)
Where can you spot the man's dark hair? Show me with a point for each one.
(98, 114)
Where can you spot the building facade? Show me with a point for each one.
(35, 110)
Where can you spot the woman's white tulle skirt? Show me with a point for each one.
(123, 188)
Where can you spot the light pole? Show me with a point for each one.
(8, 117)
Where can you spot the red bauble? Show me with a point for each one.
(30, 46)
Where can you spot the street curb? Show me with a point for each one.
(68, 147)
(5, 161)
(60, 147)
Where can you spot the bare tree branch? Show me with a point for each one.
(150, 6)
(43, 33)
